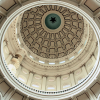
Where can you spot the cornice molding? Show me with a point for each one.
(36, 93)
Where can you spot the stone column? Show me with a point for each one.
(84, 71)
(44, 83)
(18, 71)
(29, 79)
(8, 59)
(6, 54)
(93, 59)
(72, 79)
(58, 83)
(4, 46)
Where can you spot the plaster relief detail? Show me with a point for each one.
(49, 43)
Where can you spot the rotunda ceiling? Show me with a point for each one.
(57, 50)
(52, 31)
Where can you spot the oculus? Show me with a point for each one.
(53, 21)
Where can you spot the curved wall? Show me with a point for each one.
(12, 93)
(38, 80)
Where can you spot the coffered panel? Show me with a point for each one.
(17, 96)
(93, 5)
(4, 88)
(83, 97)
(96, 89)
(7, 4)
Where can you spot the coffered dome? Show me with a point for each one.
(49, 50)
(52, 39)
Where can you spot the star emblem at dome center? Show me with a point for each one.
(53, 19)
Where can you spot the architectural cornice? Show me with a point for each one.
(32, 93)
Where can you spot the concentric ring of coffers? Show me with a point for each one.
(49, 43)
(63, 66)
(64, 62)
(20, 59)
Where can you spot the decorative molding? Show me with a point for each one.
(93, 86)
(90, 8)
(10, 6)
(36, 93)
(52, 45)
